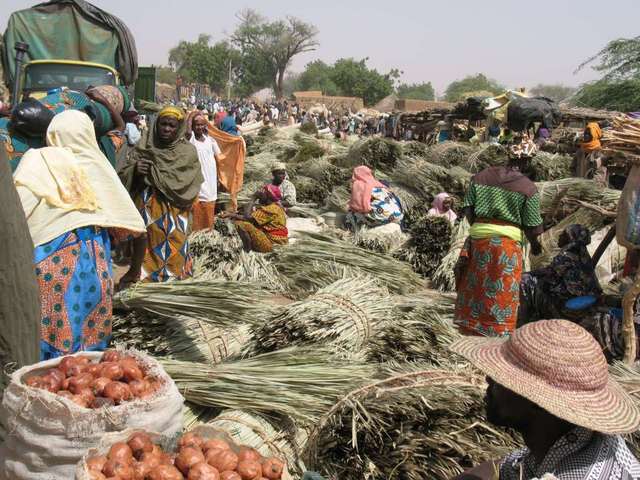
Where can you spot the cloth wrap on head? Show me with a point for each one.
(175, 171)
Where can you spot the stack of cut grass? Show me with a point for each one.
(624, 136)
(420, 332)
(387, 239)
(376, 153)
(429, 243)
(183, 338)
(215, 300)
(338, 199)
(487, 155)
(302, 384)
(342, 316)
(309, 147)
(431, 179)
(210, 248)
(629, 377)
(418, 423)
(248, 267)
(444, 277)
(545, 166)
(415, 149)
(258, 167)
(560, 198)
(409, 197)
(449, 154)
(271, 436)
(309, 256)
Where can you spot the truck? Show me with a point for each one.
(72, 44)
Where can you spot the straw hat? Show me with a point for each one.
(559, 366)
(278, 166)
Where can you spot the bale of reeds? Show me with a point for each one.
(309, 147)
(210, 248)
(338, 199)
(258, 167)
(415, 149)
(376, 153)
(431, 179)
(443, 278)
(420, 422)
(311, 254)
(449, 154)
(421, 331)
(485, 156)
(343, 315)
(299, 383)
(545, 166)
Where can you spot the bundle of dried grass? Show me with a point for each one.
(449, 154)
(257, 168)
(216, 301)
(310, 255)
(624, 136)
(546, 166)
(210, 248)
(338, 199)
(429, 243)
(419, 423)
(309, 147)
(343, 316)
(560, 198)
(377, 153)
(409, 197)
(421, 332)
(415, 149)
(487, 155)
(444, 278)
(271, 436)
(302, 384)
(247, 267)
(432, 179)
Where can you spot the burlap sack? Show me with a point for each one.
(47, 435)
(168, 443)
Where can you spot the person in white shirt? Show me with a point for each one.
(208, 152)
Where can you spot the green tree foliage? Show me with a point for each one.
(620, 95)
(166, 75)
(459, 90)
(555, 92)
(318, 76)
(619, 59)
(274, 43)
(417, 91)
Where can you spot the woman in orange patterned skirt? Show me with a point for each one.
(265, 226)
(503, 206)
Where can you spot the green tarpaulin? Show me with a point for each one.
(71, 30)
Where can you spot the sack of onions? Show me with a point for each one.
(204, 453)
(56, 409)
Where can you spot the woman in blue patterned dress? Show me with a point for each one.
(372, 203)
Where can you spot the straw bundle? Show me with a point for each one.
(422, 334)
(309, 190)
(409, 197)
(209, 248)
(309, 147)
(301, 260)
(416, 424)
(343, 315)
(546, 166)
(444, 278)
(194, 414)
(217, 301)
(430, 241)
(260, 432)
(449, 154)
(376, 153)
(300, 383)
(629, 377)
(415, 149)
(560, 198)
(432, 179)
(488, 155)
(338, 199)
(257, 168)
(248, 267)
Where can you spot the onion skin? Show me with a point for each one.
(187, 458)
(80, 382)
(76, 369)
(215, 443)
(131, 373)
(249, 470)
(272, 469)
(165, 472)
(138, 388)
(87, 394)
(55, 373)
(117, 391)
(65, 364)
(211, 456)
(249, 454)
(110, 356)
(116, 468)
(111, 370)
(153, 459)
(225, 460)
(80, 401)
(94, 369)
(230, 476)
(97, 475)
(190, 440)
(82, 360)
(121, 452)
(139, 443)
(141, 470)
(203, 471)
(96, 463)
(66, 394)
(98, 385)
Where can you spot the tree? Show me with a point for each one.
(555, 92)
(460, 89)
(354, 79)
(619, 59)
(275, 42)
(318, 76)
(417, 91)
(167, 75)
(620, 95)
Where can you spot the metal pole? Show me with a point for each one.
(229, 82)
(21, 49)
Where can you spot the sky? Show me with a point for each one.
(517, 43)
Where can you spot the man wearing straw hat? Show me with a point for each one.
(550, 382)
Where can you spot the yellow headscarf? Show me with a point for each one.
(171, 111)
(596, 135)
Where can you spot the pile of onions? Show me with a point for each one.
(197, 458)
(116, 379)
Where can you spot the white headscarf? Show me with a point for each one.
(70, 184)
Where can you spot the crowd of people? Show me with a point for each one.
(547, 378)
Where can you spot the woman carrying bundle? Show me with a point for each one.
(571, 274)
(71, 194)
(442, 206)
(502, 206)
(163, 176)
(263, 227)
(372, 203)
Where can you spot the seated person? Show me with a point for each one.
(372, 203)
(264, 226)
(442, 206)
(544, 292)
(281, 180)
(550, 382)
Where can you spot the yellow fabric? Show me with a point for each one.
(174, 112)
(596, 135)
(479, 231)
(71, 184)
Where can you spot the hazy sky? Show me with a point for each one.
(518, 43)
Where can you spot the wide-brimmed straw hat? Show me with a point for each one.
(559, 366)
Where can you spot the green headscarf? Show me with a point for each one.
(176, 171)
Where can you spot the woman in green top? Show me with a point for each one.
(502, 206)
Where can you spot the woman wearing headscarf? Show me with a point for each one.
(571, 274)
(503, 208)
(264, 226)
(442, 207)
(71, 195)
(372, 202)
(163, 176)
(588, 157)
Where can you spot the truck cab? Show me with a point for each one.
(41, 76)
